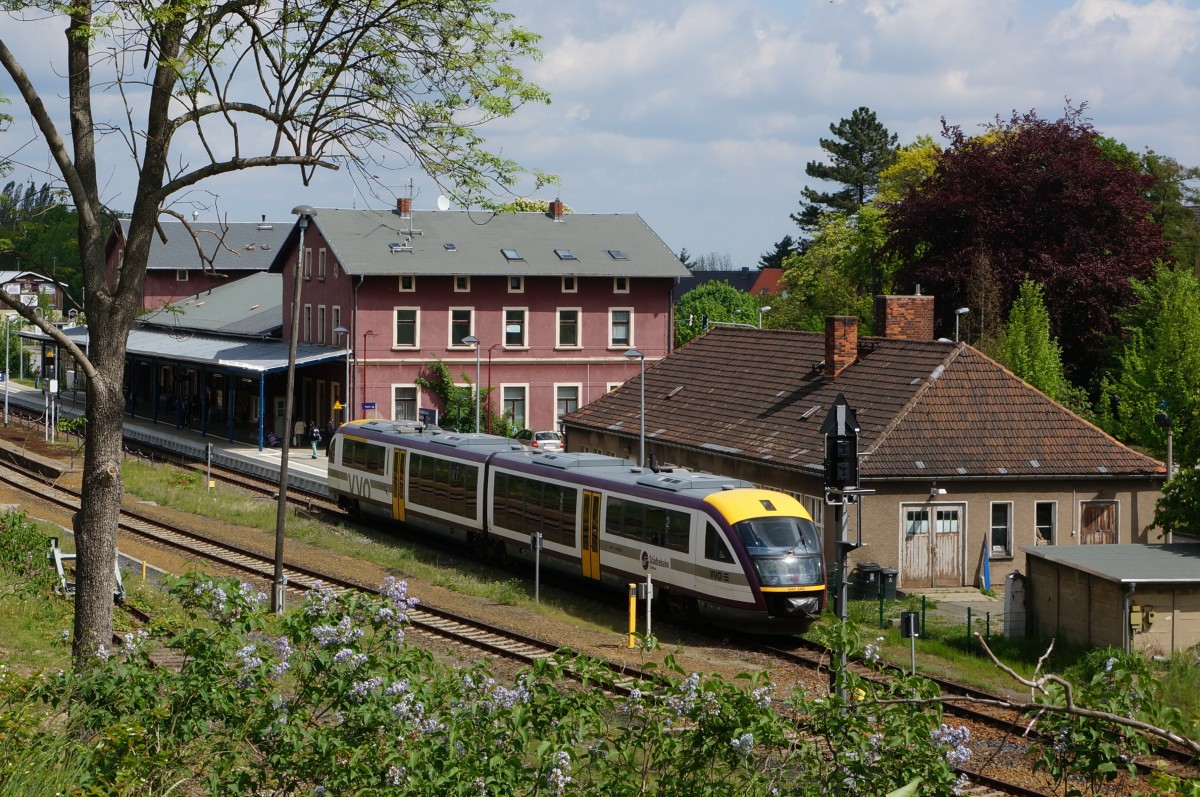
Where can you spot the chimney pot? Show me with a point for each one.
(556, 209)
(404, 205)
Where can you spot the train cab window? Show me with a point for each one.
(714, 545)
(331, 450)
(361, 455)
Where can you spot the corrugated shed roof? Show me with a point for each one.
(470, 243)
(929, 409)
(233, 246)
(249, 306)
(1127, 564)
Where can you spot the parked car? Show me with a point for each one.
(542, 441)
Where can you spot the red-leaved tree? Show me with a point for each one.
(1029, 198)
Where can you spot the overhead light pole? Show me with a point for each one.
(305, 212)
(959, 313)
(632, 353)
(761, 310)
(346, 393)
(471, 340)
(7, 358)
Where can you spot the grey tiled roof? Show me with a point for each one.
(235, 246)
(249, 306)
(361, 240)
(928, 409)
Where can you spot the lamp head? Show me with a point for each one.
(765, 309)
(634, 354)
(471, 340)
(962, 311)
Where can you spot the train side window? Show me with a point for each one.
(615, 520)
(679, 531)
(714, 545)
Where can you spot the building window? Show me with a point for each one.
(321, 324)
(404, 403)
(511, 255)
(566, 401)
(308, 264)
(611, 386)
(1001, 529)
(570, 285)
(620, 284)
(620, 328)
(514, 328)
(307, 323)
(408, 283)
(406, 327)
(460, 325)
(514, 405)
(1043, 522)
(336, 316)
(617, 254)
(916, 520)
(462, 284)
(516, 284)
(568, 328)
(181, 275)
(321, 263)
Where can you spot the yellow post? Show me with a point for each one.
(632, 615)
(143, 570)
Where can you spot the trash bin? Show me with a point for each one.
(887, 581)
(866, 576)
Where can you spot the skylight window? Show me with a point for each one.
(617, 254)
(511, 254)
(450, 247)
(565, 254)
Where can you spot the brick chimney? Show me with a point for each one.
(904, 317)
(841, 343)
(556, 209)
(404, 205)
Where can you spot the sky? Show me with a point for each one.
(700, 115)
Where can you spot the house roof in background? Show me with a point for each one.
(740, 278)
(926, 409)
(233, 246)
(471, 243)
(767, 283)
(251, 306)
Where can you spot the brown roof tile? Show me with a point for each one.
(925, 409)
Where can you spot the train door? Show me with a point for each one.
(589, 542)
(398, 479)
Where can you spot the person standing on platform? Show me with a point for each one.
(314, 437)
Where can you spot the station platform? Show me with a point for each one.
(304, 472)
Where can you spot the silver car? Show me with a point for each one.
(542, 441)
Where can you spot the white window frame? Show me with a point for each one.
(308, 263)
(612, 344)
(181, 275)
(321, 264)
(611, 386)
(416, 399)
(1037, 540)
(516, 283)
(321, 327)
(572, 286)
(921, 514)
(416, 344)
(307, 324)
(620, 284)
(578, 399)
(524, 327)
(1004, 551)
(411, 286)
(462, 283)
(450, 342)
(558, 321)
(524, 388)
(335, 320)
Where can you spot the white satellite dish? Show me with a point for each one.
(442, 202)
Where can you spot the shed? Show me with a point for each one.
(1142, 598)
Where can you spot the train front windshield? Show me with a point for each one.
(785, 550)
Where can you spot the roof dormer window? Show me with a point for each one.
(511, 255)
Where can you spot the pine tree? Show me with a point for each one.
(861, 150)
(1029, 349)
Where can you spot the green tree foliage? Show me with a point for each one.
(1032, 353)
(1030, 198)
(774, 258)
(828, 278)
(861, 148)
(363, 84)
(716, 301)
(1159, 367)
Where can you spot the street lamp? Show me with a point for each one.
(346, 394)
(305, 212)
(642, 385)
(471, 340)
(761, 310)
(959, 313)
(7, 371)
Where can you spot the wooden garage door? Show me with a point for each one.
(932, 547)
(1098, 523)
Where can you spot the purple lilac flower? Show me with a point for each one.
(318, 599)
(683, 702)
(559, 776)
(743, 744)
(955, 740)
(283, 649)
(360, 689)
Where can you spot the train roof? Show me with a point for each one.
(474, 442)
(623, 471)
